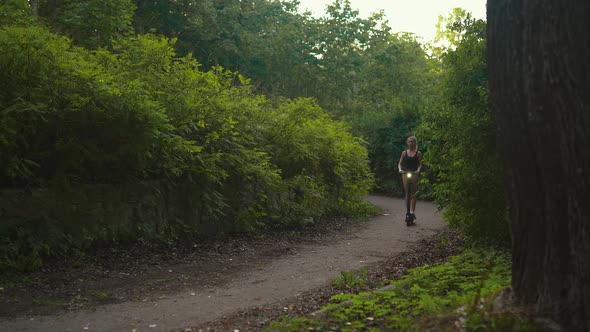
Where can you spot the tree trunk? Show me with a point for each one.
(539, 79)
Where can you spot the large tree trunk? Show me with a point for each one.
(539, 79)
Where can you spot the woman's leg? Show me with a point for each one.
(405, 182)
(414, 189)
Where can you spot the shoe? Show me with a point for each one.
(413, 216)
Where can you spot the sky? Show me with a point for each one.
(417, 16)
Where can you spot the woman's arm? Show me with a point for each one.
(401, 160)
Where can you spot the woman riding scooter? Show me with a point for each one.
(411, 161)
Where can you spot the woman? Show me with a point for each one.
(411, 161)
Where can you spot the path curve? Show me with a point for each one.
(308, 267)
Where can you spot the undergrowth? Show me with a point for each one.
(455, 296)
(351, 280)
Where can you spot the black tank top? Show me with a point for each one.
(410, 163)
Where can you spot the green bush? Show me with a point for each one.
(73, 117)
(16, 12)
(326, 167)
(65, 116)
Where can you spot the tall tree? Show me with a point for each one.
(15, 12)
(450, 30)
(264, 40)
(90, 23)
(341, 41)
(95, 23)
(277, 49)
(539, 75)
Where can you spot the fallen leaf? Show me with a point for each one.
(193, 294)
(258, 298)
(85, 328)
(153, 325)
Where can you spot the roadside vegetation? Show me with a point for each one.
(454, 296)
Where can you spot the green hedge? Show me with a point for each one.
(136, 112)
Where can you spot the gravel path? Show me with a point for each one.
(263, 280)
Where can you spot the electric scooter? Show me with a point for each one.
(409, 218)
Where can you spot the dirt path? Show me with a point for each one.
(264, 280)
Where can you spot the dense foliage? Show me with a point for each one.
(137, 112)
(257, 108)
(354, 67)
(459, 132)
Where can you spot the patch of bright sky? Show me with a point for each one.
(416, 16)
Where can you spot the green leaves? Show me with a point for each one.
(95, 23)
(460, 137)
(320, 158)
(77, 117)
(16, 12)
(422, 295)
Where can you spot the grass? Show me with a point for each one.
(101, 294)
(351, 280)
(455, 296)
